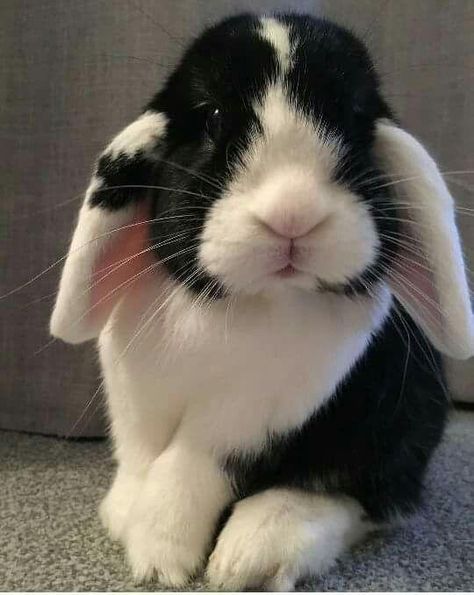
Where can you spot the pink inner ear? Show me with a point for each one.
(121, 260)
(413, 283)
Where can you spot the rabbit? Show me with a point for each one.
(271, 268)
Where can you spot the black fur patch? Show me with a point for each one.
(124, 180)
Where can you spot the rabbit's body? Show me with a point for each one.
(252, 406)
(255, 371)
(263, 300)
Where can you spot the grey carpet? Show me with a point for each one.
(50, 537)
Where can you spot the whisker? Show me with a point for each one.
(136, 58)
(390, 176)
(154, 187)
(422, 265)
(163, 29)
(120, 263)
(204, 294)
(199, 175)
(417, 177)
(136, 276)
(157, 311)
(397, 205)
(410, 287)
(228, 312)
(431, 363)
(114, 291)
(37, 300)
(85, 410)
(460, 184)
(105, 189)
(407, 360)
(64, 256)
(394, 256)
(58, 205)
(402, 220)
(401, 239)
(406, 341)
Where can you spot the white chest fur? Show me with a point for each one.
(227, 374)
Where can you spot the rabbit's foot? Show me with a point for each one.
(275, 539)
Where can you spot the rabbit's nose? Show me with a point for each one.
(290, 204)
(290, 226)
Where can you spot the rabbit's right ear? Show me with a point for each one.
(108, 248)
(428, 277)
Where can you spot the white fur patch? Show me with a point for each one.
(290, 136)
(278, 35)
(278, 537)
(171, 523)
(140, 135)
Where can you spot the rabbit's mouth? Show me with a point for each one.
(288, 271)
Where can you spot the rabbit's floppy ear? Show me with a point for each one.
(108, 246)
(428, 275)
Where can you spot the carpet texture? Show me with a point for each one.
(51, 539)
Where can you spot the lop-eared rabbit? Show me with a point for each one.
(271, 267)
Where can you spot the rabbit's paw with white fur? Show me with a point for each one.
(115, 507)
(162, 550)
(172, 522)
(275, 539)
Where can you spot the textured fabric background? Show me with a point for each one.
(72, 72)
(51, 538)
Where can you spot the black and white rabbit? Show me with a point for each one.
(262, 256)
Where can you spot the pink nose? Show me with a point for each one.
(290, 228)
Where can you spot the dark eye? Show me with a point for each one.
(214, 124)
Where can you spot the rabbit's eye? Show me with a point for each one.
(214, 124)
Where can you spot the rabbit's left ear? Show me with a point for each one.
(428, 277)
(109, 251)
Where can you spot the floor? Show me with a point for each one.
(51, 539)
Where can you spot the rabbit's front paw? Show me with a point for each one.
(252, 556)
(159, 549)
(172, 523)
(278, 537)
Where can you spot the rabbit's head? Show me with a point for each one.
(269, 162)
